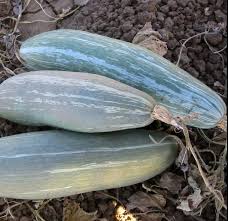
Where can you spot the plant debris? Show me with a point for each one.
(150, 39)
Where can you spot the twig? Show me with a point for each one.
(205, 179)
(185, 42)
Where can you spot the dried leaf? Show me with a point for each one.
(150, 39)
(171, 182)
(144, 201)
(182, 160)
(73, 212)
(122, 215)
(193, 200)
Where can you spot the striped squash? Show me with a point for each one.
(169, 85)
(51, 164)
(74, 101)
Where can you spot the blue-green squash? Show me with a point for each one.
(74, 101)
(138, 67)
(51, 164)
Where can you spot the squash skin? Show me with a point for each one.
(138, 67)
(74, 101)
(52, 164)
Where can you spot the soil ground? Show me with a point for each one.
(175, 20)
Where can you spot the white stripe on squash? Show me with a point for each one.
(74, 101)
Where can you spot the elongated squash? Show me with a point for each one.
(50, 164)
(169, 85)
(74, 101)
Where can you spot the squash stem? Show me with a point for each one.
(161, 113)
(223, 123)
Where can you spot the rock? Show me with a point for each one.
(185, 59)
(211, 67)
(127, 26)
(31, 29)
(80, 2)
(193, 72)
(169, 23)
(164, 9)
(203, 2)
(182, 3)
(172, 5)
(215, 39)
(129, 36)
(172, 44)
(128, 11)
(220, 16)
(144, 17)
(160, 16)
(165, 34)
(200, 65)
(25, 218)
(126, 2)
(214, 58)
(173, 13)
(219, 3)
(61, 6)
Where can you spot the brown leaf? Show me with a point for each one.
(73, 212)
(171, 182)
(193, 200)
(144, 201)
(150, 39)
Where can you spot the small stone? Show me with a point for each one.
(182, 3)
(80, 2)
(144, 17)
(219, 3)
(214, 58)
(220, 16)
(173, 13)
(210, 67)
(172, 4)
(164, 9)
(85, 11)
(165, 34)
(169, 23)
(172, 44)
(127, 26)
(215, 39)
(25, 218)
(203, 2)
(193, 72)
(185, 59)
(126, 2)
(200, 65)
(129, 36)
(160, 16)
(128, 11)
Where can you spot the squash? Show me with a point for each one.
(74, 101)
(170, 86)
(51, 164)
